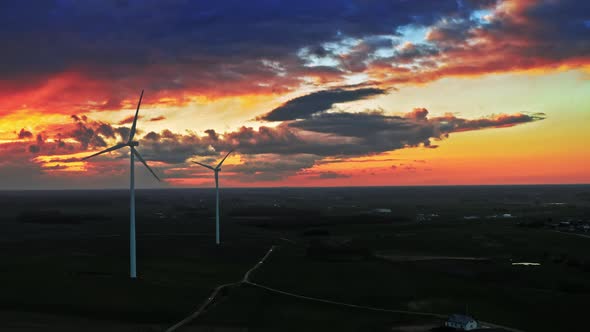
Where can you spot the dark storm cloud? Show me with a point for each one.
(106, 130)
(356, 60)
(272, 153)
(309, 136)
(278, 140)
(117, 38)
(152, 136)
(175, 48)
(451, 123)
(541, 30)
(123, 132)
(364, 133)
(270, 167)
(172, 148)
(555, 29)
(85, 133)
(540, 34)
(304, 106)
(367, 132)
(212, 134)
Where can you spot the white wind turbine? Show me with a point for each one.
(216, 170)
(132, 153)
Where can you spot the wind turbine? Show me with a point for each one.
(132, 154)
(216, 170)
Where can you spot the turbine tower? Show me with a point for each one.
(132, 154)
(216, 170)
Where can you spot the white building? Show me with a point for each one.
(381, 211)
(461, 322)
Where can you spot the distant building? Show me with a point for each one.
(461, 322)
(504, 215)
(381, 211)
(420, 217)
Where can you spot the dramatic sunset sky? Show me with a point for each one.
(309, 93)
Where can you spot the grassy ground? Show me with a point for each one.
(264, 311)
(492, 291)
(76, 279)
(56, 274)
(82, 282)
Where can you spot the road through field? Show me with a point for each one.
(246, 280)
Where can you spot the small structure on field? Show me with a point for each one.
(461, 322)
(381, 211)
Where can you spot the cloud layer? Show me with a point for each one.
(266, 153)
(73, 56)
(80, 59)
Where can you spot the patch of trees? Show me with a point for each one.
(193, 211)
(535, 222)
(304, 221)
(578, 263)
(316, 232)
(46, 217)
(275, 211)
(584, 196)
(55, 217)
(337, 250)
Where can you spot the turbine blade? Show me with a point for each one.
(112, 148)
(209, 167)
(222, 160)
(144, 163)
(132, 132)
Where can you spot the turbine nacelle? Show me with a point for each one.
(133, 143)
(218, 167)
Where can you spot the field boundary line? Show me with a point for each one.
(356, 306)
(246, 280)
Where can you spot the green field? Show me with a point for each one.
(494, 290)
(74, 275)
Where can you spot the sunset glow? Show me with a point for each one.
(362, 93)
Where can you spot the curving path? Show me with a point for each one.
(246, 280)
(216, 291)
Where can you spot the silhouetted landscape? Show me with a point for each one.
(440, 250)
(294, 166)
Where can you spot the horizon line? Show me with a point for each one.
(314, 187)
